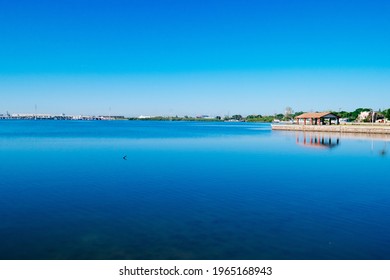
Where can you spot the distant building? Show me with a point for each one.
(364, 116)
(371, 116)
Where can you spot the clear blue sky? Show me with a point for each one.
(194, 56)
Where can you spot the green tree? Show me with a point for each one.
(279, 116)
(386, 113)
(297, 114)
(356, 113)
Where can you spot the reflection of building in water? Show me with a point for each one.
(317, 140)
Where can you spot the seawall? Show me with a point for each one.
(343, 128)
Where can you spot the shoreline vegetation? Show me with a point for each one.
(235, 118)
(360, 115)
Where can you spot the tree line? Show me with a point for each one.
(289, 115)
(353, 116)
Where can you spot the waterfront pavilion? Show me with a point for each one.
(317, 118)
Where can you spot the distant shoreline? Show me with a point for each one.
(163, 119)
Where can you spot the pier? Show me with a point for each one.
(342, 128)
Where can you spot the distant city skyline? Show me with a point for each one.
(193, 57)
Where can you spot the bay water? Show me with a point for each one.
(190, 190)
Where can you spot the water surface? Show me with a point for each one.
(190, 190)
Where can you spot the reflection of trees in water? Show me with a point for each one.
(317, 140)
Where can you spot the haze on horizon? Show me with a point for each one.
(193, 57)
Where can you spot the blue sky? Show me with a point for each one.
(193, 57)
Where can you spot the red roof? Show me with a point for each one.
(315, 115)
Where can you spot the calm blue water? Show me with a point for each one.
(190, 190)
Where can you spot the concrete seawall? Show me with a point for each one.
(361, 129)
